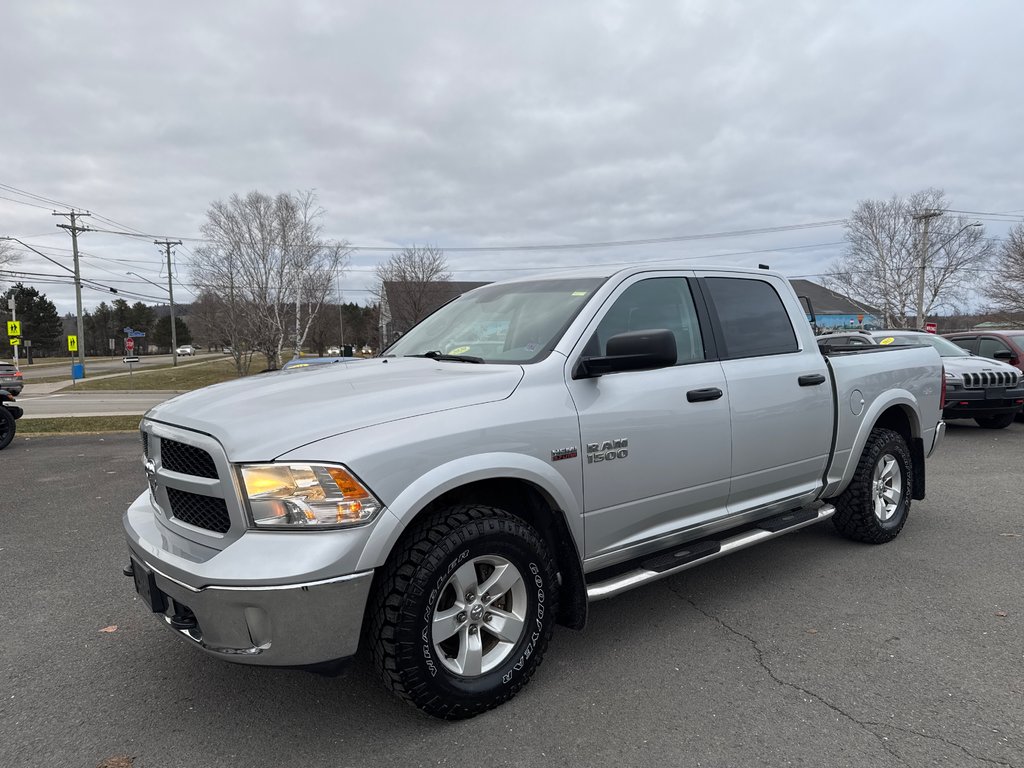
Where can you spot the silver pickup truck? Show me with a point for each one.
(530, 447)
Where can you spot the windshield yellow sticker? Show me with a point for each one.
(887, 340)
(579, 293)
(459, 351)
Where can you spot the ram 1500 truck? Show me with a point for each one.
(530, 447)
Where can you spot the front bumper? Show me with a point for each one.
(290, 625)
(969, 403)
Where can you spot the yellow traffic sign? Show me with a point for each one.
(72, 343)
(14, 327)
(15, 342)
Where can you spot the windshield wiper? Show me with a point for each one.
(436, 354)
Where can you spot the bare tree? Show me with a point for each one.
(7, 257)
(886, 249)
(1006, 285)
(407, 289)
(267, 263)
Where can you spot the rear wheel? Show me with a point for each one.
(1002, 421)
(874, 507)
(463, 611)
(7, 427)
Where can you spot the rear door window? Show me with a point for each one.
(752, 317)
(970, 343)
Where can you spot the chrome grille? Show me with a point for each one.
(186, 459)
(201, 511)
(986, 379)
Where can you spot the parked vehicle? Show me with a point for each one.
(11, 378)
(187, 350)
(1006, 346)
(9, 415)
(530, 447)
(842, 340)
(333, 351)
(307, 362)
(988, 391)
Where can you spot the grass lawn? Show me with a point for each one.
(182, 378)
(69, 424)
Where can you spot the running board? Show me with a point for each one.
(698, 553)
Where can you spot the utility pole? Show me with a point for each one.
(925, 216)
(170, 290)
(74, 229)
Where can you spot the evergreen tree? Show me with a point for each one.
(161, 336)
(39, 320)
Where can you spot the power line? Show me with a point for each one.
(22, 202)
(34, 196)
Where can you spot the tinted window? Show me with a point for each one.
(657, 303)
(989, 346)
(970, 343)
(754, 320)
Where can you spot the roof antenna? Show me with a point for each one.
(763, 266)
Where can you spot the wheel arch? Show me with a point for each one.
(544, 500)
(898, 412)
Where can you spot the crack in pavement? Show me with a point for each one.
(866, 725)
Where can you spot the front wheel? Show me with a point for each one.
(875, 505)
(1002, 421)
(463, 611)
(8, 426)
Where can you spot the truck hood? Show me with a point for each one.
(260, 417)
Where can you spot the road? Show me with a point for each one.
(96, 366)
(807, 651)
(68, 403)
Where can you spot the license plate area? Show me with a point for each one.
(995, 393)
(145, 585)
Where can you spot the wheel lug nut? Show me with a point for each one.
(486, 597)
(470, 597)
(487, 617)
(461, 617)
(472, 629)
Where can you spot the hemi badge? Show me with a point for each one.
(564, 453)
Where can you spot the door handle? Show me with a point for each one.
(811, 380)
(700, 395)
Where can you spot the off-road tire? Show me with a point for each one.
(7, 427)
(410, 587)
(855, 516)
(1002, 421)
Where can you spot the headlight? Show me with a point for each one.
(306, 495)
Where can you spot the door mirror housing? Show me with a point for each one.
(631, 351)
(1003, 354)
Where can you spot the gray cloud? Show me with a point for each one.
(473, 124)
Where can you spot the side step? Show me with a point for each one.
(661, 566)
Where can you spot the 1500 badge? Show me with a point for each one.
(609, 450)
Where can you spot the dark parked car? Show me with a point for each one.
(1004, 345)
(836, 341)
(10, 378)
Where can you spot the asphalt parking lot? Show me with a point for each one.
(807, 651)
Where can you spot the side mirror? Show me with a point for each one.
(631, 351)
(1003, 354)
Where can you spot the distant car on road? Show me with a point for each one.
(10, 378)
(308, 362)
(334, 350)
(187, 349)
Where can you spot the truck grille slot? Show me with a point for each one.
(201, 511)
(145, 444)
(986, 379)
(186, 459)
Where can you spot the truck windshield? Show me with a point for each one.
(517, 322)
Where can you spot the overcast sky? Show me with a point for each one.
(490, 124)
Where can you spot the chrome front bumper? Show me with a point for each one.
(290, 625)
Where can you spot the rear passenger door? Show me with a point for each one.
(779, 393)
